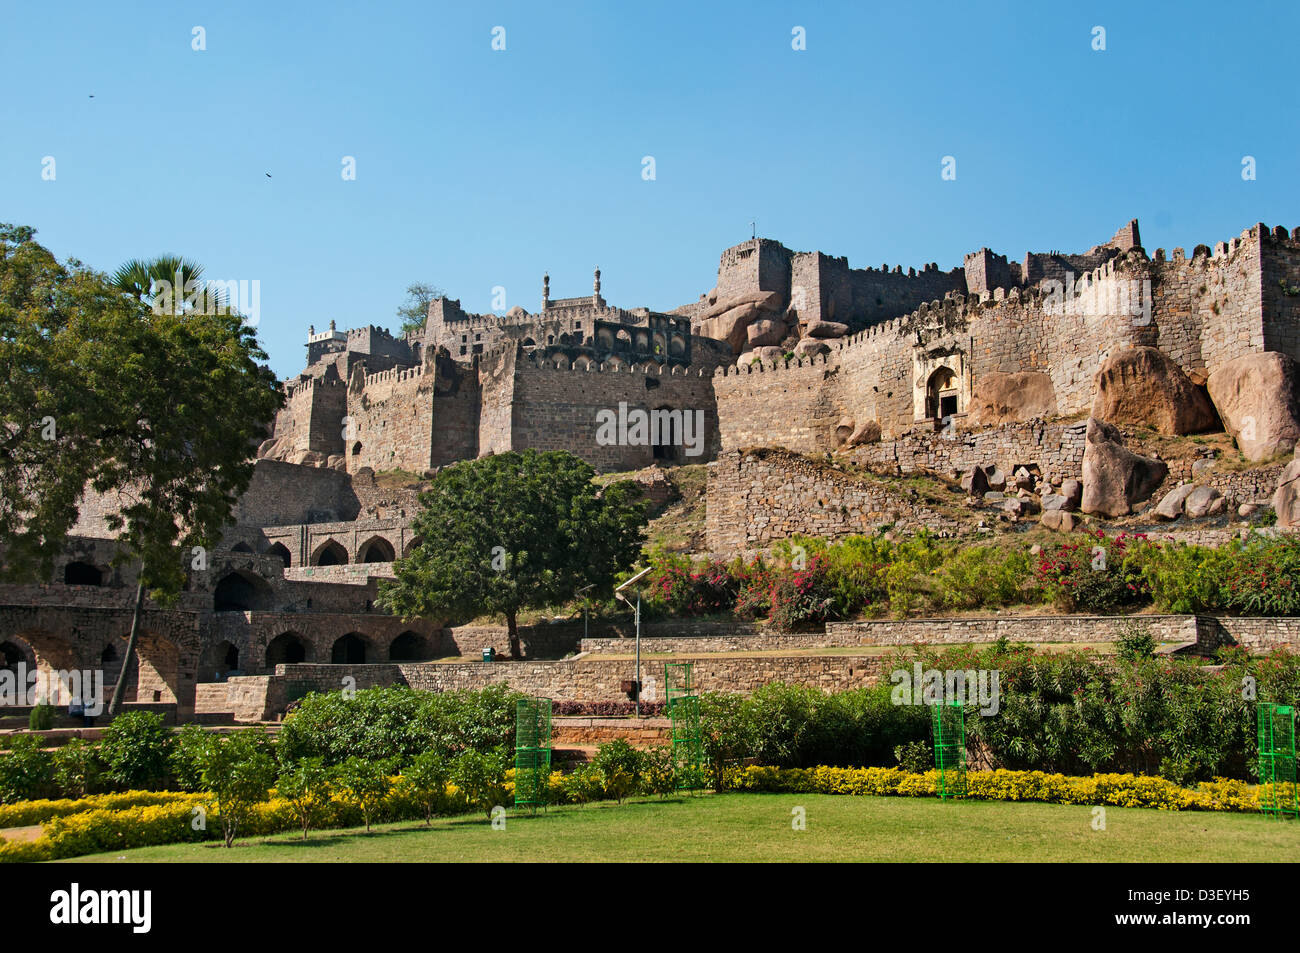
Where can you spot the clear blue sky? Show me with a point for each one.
(478, 168)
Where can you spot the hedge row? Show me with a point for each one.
(1117, 790)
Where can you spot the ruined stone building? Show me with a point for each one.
(997, 363)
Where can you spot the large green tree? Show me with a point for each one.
(159, 411)
(514, 531)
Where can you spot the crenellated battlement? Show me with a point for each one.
(588, 365)
(394, 375)
(297, 388)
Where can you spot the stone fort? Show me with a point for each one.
(998, 364)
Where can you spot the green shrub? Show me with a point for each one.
(239, 769)
(26, 772)
(41, 717)
(397, 723)
(1135, 643)
(1100, 574)
(621, 766)
(77, 768)
(425, 780)
(481, 778)
(136, 750)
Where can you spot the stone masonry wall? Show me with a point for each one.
(757, 497)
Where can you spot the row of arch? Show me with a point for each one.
(223, 659)
(376, 549)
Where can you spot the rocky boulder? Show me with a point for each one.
(1204, 501)
(810, 348)
(1258, 396)
(1170, 506)
(826, 329)
(765, 332)
(1114, 477)
(975, 482)
(1058, 520)
(1142, 386)
(866, 432)
(768, 354)
(1286, 500)
(730, 318)
(999, 398)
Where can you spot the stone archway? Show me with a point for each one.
(82, 574)
(350, 649)
(942, 393)
(240, 591)
(329, 553)
(375, 550)
(287, 648)
(409, 647)
(218, 662)
(281, 552)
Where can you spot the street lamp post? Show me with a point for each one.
(618, 594)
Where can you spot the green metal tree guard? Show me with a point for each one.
(532, 751)
(949, 723)
(1277, 775)
(683, 705)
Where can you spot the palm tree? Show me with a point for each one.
(144, 279)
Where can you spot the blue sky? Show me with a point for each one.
(479, 168)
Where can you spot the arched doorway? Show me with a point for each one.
(218, 662)
(941, 394)
(349, 650)
(287, 648)
(330, 553)
(408, 647)
(82, 574)
(665, 432)
(375, 550)
(240, 591)
(15, 652)
(281, 552)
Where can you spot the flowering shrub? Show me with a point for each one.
(1097, 575)
(802, 597)
(1119, 790)
(685, 590)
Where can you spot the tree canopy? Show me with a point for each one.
(513, 531)
(161, 409)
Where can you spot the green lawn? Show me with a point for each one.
(757, 827)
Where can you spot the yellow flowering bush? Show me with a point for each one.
(1119, 790)
(25, 813)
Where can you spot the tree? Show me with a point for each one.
(414, 311)
(305, 785)
(481, 778)
(107, 392)
(364, 784)
(513, 531)
(239, 770)
(424, 780)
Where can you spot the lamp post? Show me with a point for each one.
(586, 607)
(618, 594)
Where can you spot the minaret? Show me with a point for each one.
(546, 291)
(595, 299)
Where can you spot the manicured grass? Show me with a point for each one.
(757, 827)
